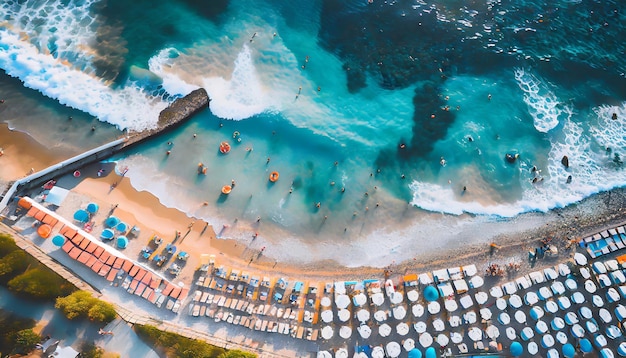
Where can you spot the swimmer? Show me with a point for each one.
(253, 36)
(470, 139)
(258, 219)
(169, 143)
(614, 116)
(248, 149)
(318, 205)
(402, 146)
(232, 183)
(336, 163)
(290, 190)
(168, 152)
(402, 176)
(274, 35)
(332, 183)
(299, 89)
(366, 194)
(489, 97)
(569, 179)
(319, 88)
(442, 161)
(69, 118)
(343, 190)
(268, 160)
(534, 169)
(221, 124)
(93, 128)
(195, 135)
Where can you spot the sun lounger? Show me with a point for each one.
(203, 297)
(175, 292)
(92, 260)
(147, 278)
(127, 266)
(104, 257)
(91, 247)
(133, 271)
(104, 270)
(32, 211)
(84, 243)
(140, 274)
(244, 321)
(168, 289)
(97, 266)
(75, 252)
(111, 275)
(159, 301)
(227, 304)
(202, 310)
(233, 304)
(176, 307)
(67, 246)
(183, 294)
(155, 283)
(70, 233)
(111, 260)
(50, 220)
(77, 238)
(119, 262)
(39, 215)
(98, 252)
(133, 286)
(83, 257)
(239, 305)
(170, 304)
(147, 292)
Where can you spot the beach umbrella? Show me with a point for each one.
(408, 344)
(342, 301)
(544, 293)
(324, 354)
(578, 331)
(533, 348)
(420, 327)
(564, 270)
(600, 341)
(604, 280)
(44, 230)
(564, 303)
(557, 323)
(81, 216)
(415, 353)
(399, 312)
(431, 353)
(112, 221)
(343, 314)
(571, 284)
(359, 299)
(434, 307)
(418, 310)
(613, 332)
(531, 298)
(122, 242)
(561, 337)
(438, 325)
(585, 345)
(442, 340)
(456, 337)
(536, 313)
(92, 208)
(590, 286)
(551, 306)
(510, 333)
(365, 331)
(569, 351)
(325, 302)
(515, 301)
(547, 341)
(454, 321)
(599, 267)
(605, 315)
(378, 352)
(520, 317)
(470, 317)
(380, 316)
(121, 227)
(384, 330)
(571, 318)
(393, 349)
(476, 282)
(558, 288)
(597, 301)
(327, 332)
(516, 349)
(592, 326)
(475, 334)
(553, 353)
(578, 298)
(485, 313)
(492, 332)
(501, 304)
(327, 316)
(620, 312)
(341, 353)
(612, 295)
(378, 298)
(451, 305)
(504, 318)
(395, 297)
(425, 339)
(466, 301)
(363, 315)
(58, 240)
(430, 293)
(345, 332)
(481, 297)
(541, 327)
(496, 291)
(527, 333)
(606, 353)
(402, 328)
(413, 295)
(621, 350)
(580, 259)
(585, 312)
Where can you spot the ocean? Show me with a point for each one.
(382, 118)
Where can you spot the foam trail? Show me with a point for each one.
(163, 64)
(543, 105)
(126, 108)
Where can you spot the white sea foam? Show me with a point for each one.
(163, 65)
(543, 105)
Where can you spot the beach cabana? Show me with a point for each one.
(122, 242)
(408, 345)
(585, 345)
(365, 331)
(81, 216)
(111, 221)
(430, 293)
(92, 208)
(345, 332)
(393, 349)
(516, 349)
(384, 330)
(415, 353)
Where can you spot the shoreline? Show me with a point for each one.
(145, 209)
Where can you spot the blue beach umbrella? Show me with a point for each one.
(107, 234)
(58, 240)
(516, 349)
(569, 351)
(415, 353)
(585, 345)
(431, 293)
(621, 350)
(81, 216)
(122, 242)
(431, 353)
(121, 227)
(92, 208)
(112, 221)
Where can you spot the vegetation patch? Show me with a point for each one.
(16, 334)
(81, 304)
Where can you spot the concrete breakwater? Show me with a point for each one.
(179, 111)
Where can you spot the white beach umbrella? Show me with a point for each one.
(327, 316)
(325, 302)
(501, 304)
(399, 312)
(492, 332)
(605, 315)
(408, 344)
(592, 327)
(604, 280)
(622, 349)
(395, 297)
(557, 324)
(590, 286)
(520, 317)
(360, 355)
(550, 273)
(475, 334)
(547, 341)
(551, 306)
(509, 287)
(597, 301)
(466, 301)
(531, 298)
(558, 288)
(324, 354)
(585, 273)
(364, 331)
(564, 270)
(345, 332)
(612, 295)
(426, 340)
(613, 332)
(481, 297)
(442, 340)
(536, 313)
(418, 310)
(527, 333)
(496, 291)
(341, 353)
(327, 332)
(532, 348)
(571, 284)
(378, 298)
(363, 315)
(599, 267)
(485, 313)
(413, 295)
(541, 327)
(578, 298)
(470, 317)
(402, 329)
(571, 318)
(600, 340)
(454, 321)
(561, 337)
(476, 282)
(344, 315)
(515, 301)
(393, 349)
(544, 293)
(451, 305)
(585, 312)
(620, 312)
(420, 327)
(504, 318)
(580, 259)
(510, 333)
(378, 352)
(553, 353)
(380, 316)
(434, 307)
(438, 325)
(564, 303)
(359, 299)
(384, 330)
(342, 301)
(456, 337)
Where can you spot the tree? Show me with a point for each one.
(7, 244)
(16, 261)
(39, 283)
(234, 353)
(26, 339)
(90, 350)
(82, 304)
(101, 311)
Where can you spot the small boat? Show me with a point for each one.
(226, 189)
(274, 176)
(224, 147)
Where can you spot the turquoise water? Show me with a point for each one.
(414, 101)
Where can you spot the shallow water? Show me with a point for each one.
(414, 119)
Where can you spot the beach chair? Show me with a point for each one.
(92, 260)
(84, 243)
(104, 270)
(98, 251)
(74, 252)
(67, 246)
(97, 266)
(111, 260)
(111, 276)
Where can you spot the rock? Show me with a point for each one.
(565, 161)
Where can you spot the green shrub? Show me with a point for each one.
(40, 282)
(7, 244)
(10, 325)
(12, 263)
(81, 304)
(26, 339)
